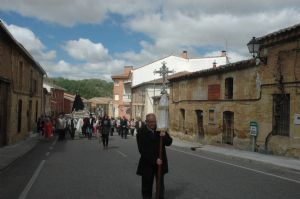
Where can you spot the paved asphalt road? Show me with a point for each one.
(81, 168)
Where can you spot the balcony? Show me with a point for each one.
(127, 98)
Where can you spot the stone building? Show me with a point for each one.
(46, 104)
(21, 89)
(218, 105)
(57, 98)
(68, 102)
(122, 93)
(101, 106)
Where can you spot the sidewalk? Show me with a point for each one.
(280, 161)
(9, 154)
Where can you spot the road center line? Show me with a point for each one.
(32, 180)
(48, 153)
(123, 154)
(234, 165)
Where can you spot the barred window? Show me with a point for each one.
(229, 88)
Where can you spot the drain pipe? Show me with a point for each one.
(267, 141)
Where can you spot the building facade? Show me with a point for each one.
(122, 93)
(68, 102)
(142, 98)
(176, 64)
(146, 96)
(220, 105)
(21, 90)
(146, 85)
(56, 98)
(101, 106)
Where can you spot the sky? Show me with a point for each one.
(78, 39)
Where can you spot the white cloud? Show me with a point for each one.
(71, 12)
(181, 31)
(31, 42)
(102, 70)
(84, 49)
(201, 27)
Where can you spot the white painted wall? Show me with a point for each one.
(178, 64)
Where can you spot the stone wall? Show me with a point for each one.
(253, 90)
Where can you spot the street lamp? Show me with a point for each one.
(254, 49)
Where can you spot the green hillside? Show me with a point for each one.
(87, 88)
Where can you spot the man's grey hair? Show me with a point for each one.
(150, 115)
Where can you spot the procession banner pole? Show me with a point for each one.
(162, 121)
(158, 178)
(159, 168)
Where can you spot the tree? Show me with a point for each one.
(88, 88)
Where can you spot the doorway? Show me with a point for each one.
(228, 127)
(200, 129)
(29, 114)
(3, 112)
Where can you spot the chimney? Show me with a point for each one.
(127, 69)
(184, 54)
(214, 64)
(223, 53)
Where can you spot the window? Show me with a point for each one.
(34, 86)
(116, 82)
(229, 88)
(182, 120)
(19, 115)
(20, 74)
(281, 114)
(36, 111)
(116, 97)
(214, 92)
(211, 116)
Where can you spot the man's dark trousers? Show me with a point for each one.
(147, 185)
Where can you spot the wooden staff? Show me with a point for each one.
(159, 167)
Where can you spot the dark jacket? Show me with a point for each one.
(90, 122)
(105, 123)
(148, 145)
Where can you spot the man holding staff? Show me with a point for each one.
(151, 145)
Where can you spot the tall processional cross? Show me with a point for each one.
(164, 71)
(162, 124)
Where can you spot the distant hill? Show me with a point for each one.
(87, 88)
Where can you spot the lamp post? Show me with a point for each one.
(163, 118)
(254, 48)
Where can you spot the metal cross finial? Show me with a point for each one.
(164, 71)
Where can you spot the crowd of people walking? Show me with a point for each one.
(89, 126)
(148, 141)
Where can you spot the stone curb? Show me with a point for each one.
(279, 161)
